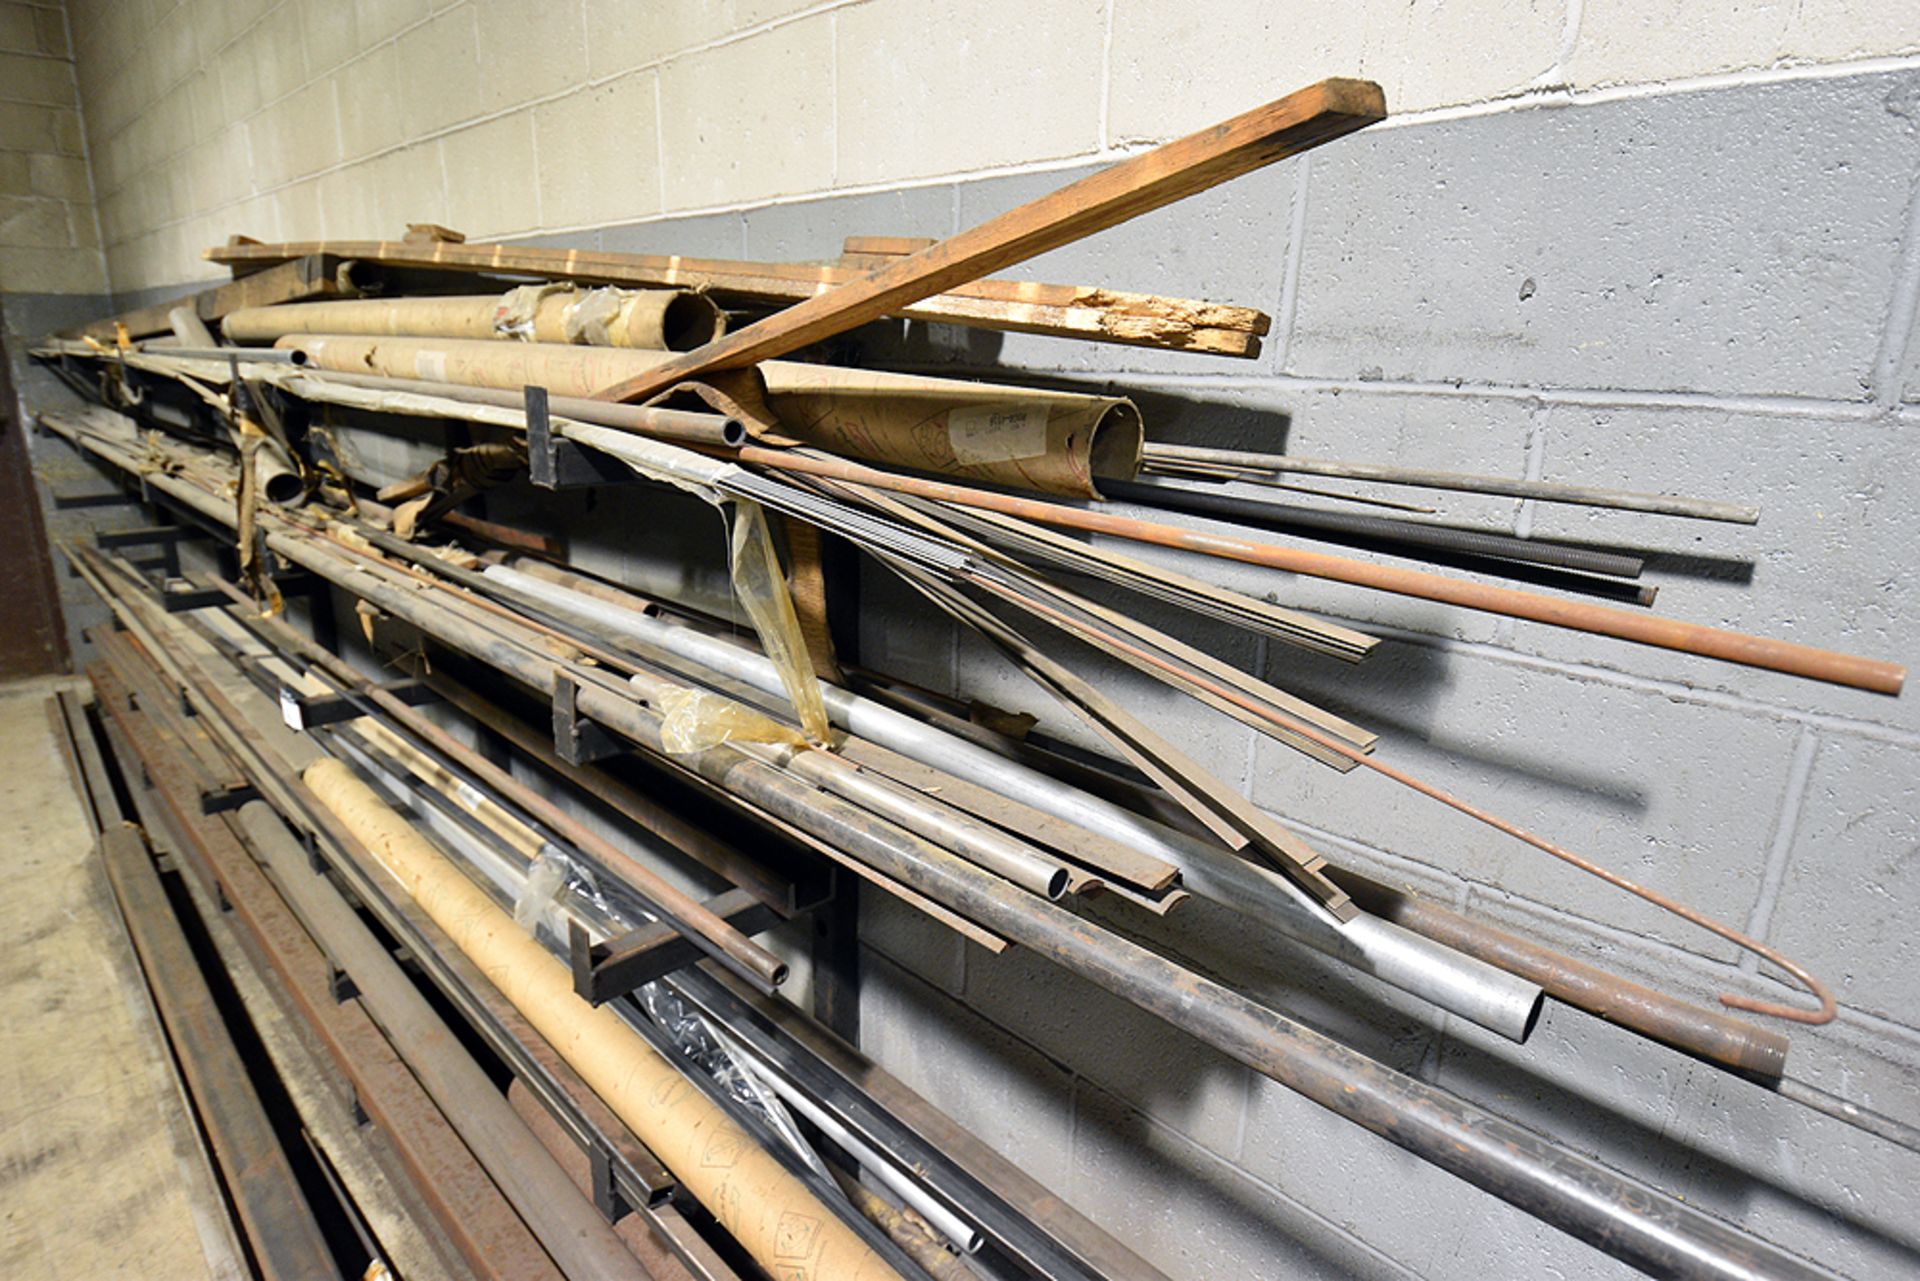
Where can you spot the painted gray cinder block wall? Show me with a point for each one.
(1706, 287)
(1706, 292)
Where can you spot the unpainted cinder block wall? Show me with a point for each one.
(1617, 242)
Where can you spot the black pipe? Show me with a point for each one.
(1410, 533)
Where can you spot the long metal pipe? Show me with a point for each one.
(687, 425)
(690, 917)
(581, 1241)
(1545, 491)
(1461, 985)
(1709, 1034)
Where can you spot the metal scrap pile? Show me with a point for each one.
(566, 371)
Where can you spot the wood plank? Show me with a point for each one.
(298, 279)
(773, 282)
(1307, 118)
(1080, 311)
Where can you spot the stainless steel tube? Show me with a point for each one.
(1472, 989)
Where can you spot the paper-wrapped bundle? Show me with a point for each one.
(657, 319)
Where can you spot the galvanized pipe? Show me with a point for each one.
(1472, 989)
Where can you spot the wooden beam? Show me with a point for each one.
(298, 279)
(1307, 118)
(1077, 311)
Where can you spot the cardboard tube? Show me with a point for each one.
(769, 1211)
(661, 319)
(1055, 442)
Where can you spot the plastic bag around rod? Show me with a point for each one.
(763, 593)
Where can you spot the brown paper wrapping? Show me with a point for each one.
(1051, 441)
(769, 1211)
(658, 319)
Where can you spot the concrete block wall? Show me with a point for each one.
(1605, 241)
(49, 237)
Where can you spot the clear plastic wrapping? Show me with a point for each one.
(693, 720)
(762, 590)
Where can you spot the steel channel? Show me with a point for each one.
(1461, 985)
(578, 1237)
(490, 1237)
(642, 1180)
(279, 1223)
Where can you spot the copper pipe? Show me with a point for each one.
(1664, 633)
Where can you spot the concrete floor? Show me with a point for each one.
(100, 1170)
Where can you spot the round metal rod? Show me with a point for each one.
(1665, 633)
(686, 426)
(1389, 529)
(1542, 490)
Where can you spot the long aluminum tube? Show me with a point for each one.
(1472, 989)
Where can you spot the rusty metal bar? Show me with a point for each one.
(490, 1237)
(266, 1195)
